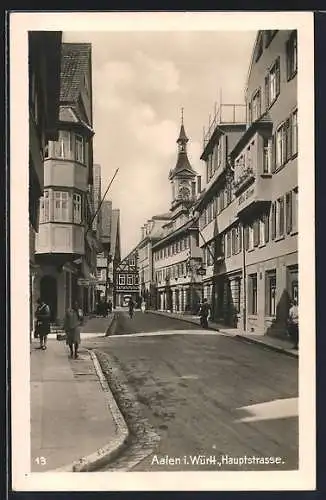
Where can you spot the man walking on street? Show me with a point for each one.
(72, 325)
(42, 315)
(204, 313)
(131, 306)
(293, 323)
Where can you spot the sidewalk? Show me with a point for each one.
(70, 417)
(273, 343)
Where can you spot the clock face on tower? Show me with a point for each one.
(184, 193)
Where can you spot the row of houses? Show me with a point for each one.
(235, 240)
(67, 221)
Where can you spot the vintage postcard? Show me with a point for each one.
(162, 239)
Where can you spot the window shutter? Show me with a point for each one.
(277, 75)
(240, 239)
(273, 221)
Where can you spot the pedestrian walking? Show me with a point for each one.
(72, 326)
(204, 313)
(42, 327)
(110, 306)
(143, 306)
(293, 323)
(131, 307)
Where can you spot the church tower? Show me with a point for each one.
(183, 176)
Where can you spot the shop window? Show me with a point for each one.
(271, 292)
(252, 296)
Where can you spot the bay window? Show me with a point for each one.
(256, 106)
(267, 163)
(62, 147)
(45, 207)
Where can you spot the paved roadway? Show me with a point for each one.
(206, 395)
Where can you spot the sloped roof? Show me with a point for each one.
(70, 114)
(165, 216)
(74, 64)
(182, 135)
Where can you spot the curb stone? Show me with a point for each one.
(108, 452)
(242, 338)
(287, 352)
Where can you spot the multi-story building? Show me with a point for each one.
(176, 255)
(109, 256)
(151, 232)
(255, 253)
(127, 280)
(65, 246)
(44, 53)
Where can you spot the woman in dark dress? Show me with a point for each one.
(72, 325)
(42, 315)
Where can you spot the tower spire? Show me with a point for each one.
(181, 116)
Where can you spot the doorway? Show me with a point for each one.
(48, 293)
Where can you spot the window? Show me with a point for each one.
(132, 262)
(266, 228)
(256, 233)
(295, 210)
(79, 148)
(236, 293)
(77, 208)
(129, 280)
(45, 207)
(267, 162)
(288, 137)
(292, 55)
(262, 231)
(246, 238)
(234, 241)
(280, 146)
(61, 206)
(122, 279)
(136, 279)
(280, 206)
(272, 83)
(252, 293)
(228, 244)
(256, 106)
(294, 130)
(271, 292)
(273, 215)
(251, 237)
(62, 147)
(288, 212)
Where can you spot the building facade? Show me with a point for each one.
(176, 255)
(44, 57)
(250, 233)
(66, 245)
(127, 280)
(109, 255)
(151, 232)
(97, 197)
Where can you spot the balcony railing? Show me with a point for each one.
(245, 178)
(226, 114)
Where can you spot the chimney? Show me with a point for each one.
(199, 184)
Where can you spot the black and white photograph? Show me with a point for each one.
(162, 247)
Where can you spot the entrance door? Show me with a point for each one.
(48, 293)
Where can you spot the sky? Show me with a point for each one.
(140, 82)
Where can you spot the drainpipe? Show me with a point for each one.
(244, 280)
